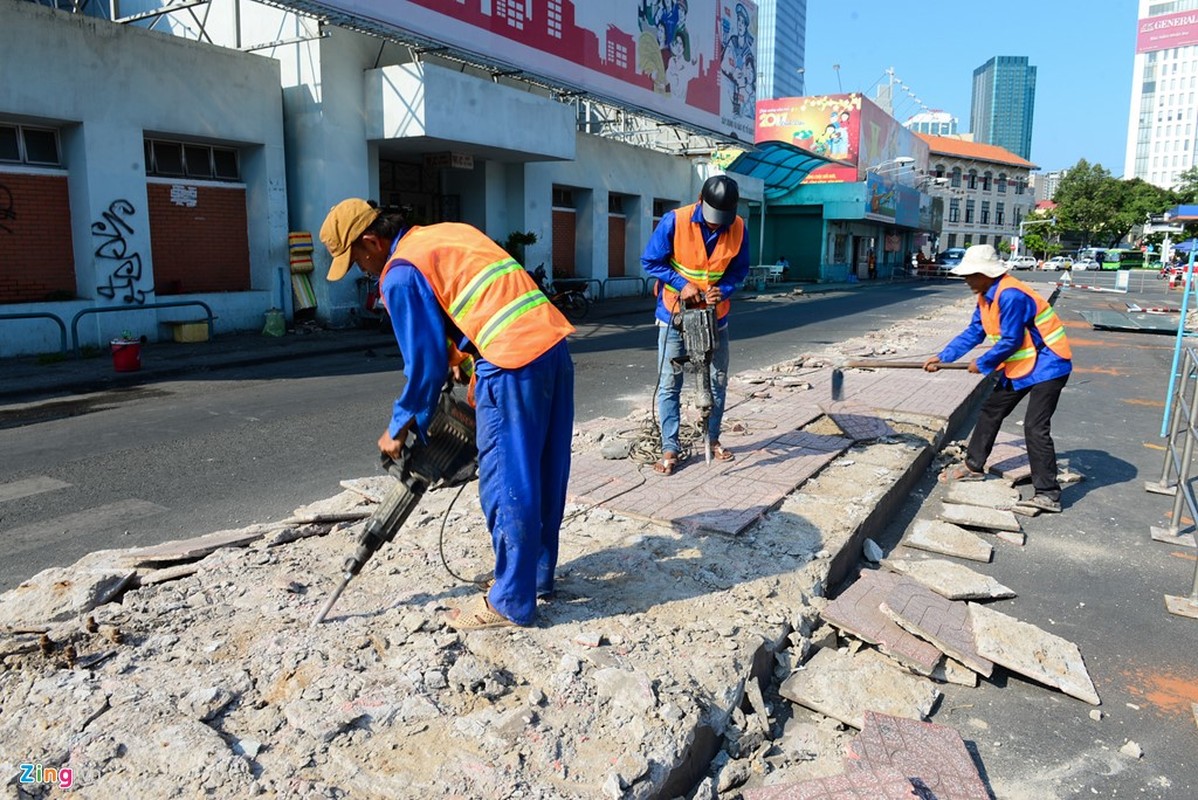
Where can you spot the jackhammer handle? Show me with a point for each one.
(878, 363)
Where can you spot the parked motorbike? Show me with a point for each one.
(569, 296)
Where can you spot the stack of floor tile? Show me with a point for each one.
(893, 757)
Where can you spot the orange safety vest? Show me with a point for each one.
(1048, 324)
(690, 259)
(484, 291)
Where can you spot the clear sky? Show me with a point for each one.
(1082, 51)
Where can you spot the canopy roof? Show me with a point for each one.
(781, 167)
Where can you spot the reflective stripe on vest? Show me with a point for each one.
(1048, 325)
(690, 260)
(484, 291)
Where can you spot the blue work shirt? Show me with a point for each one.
(423, 332)
(656, 260)
(1016, 314)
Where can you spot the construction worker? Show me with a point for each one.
(698, 253)
(451, 291)
(1033, 359)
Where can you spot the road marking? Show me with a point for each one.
(1152, 446)
(29, 486)
(111, 515)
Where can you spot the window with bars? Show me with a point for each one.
(171, 159)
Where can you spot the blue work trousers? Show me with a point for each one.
(669, 385)
(525, 428)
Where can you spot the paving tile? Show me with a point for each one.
(933, 756)
(844, 687)
(991, 519)
(857, 610)
(988, 493)
(1008, 458)
(860, 423)
(942, 622)
(949, 579)
(865, 784)
(1032, 652)
(936, 536)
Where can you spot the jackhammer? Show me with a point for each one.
(700, 339)
(449, 458)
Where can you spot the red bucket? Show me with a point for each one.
(126, 356)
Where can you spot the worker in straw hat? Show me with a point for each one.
(1030, 357)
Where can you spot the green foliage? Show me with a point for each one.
(516, 242)
(1104, 209)
(1004, 247)
(1187, 186)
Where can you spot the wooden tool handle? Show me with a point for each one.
(878, 363)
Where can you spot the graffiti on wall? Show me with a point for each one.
(112, 228)
(6, 208)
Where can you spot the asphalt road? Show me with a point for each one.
(240, 445)
(1092, 575)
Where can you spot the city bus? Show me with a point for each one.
(1113, 257)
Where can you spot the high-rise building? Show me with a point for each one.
(933, 123)
(1004, 97)
(782, 41)
(1160, 126)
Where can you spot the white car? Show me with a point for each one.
(1085, 264)
(1021, 262)
(1059, 263)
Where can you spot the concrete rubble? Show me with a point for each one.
(663, 666)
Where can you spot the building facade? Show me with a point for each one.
(1161, 120)
(985, 190)
(933, 123)
(1004, 100)
(189, 193)
(1047, 183)
(782, 27)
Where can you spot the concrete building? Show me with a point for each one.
(1164, 76)
(933, 123)
(987, 193)
(182, 166)
(1004, 100)
(1045, 184)
(782, 28)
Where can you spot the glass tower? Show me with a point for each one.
(781, 43)
(1004, 98)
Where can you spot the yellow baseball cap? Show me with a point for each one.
(345, 222)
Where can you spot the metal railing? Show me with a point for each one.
(144, 307)
(62, 326)
(643, 291)
(1183, 429)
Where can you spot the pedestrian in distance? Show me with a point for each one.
(1032, 357)
(450, 289)
(698, 253)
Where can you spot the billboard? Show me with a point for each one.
(690, 60)
(1168, 30)
(826, 125)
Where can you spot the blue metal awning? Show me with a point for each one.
(781, 167)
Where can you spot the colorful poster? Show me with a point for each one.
(827, 125)
(690, 60)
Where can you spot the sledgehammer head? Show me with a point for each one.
(837, 383)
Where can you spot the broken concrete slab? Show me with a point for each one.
(856, 610)
(199, 546)
(949, 579)
(989, 494)
(1032, 652)
(937, 536)
(933, 757)
(1014, 538)
(61, 593)
(1181, 606)
(844, 687)
(859, 423)
(886, 783)
(991, 519)
(942, 622)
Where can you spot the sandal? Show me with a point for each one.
(476, 614)
(666, 464)
(960, 473)
(721, 453)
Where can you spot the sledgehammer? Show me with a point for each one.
(874, 363)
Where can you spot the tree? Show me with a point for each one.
(1088, 201)
(1137, 200)
(1187, 186)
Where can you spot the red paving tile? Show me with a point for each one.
(1009, 457)
(933, 756)
(941, 621)
(857, 611)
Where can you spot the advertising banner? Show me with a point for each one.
(827, 125)
(1168, 30)
(690, 60)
